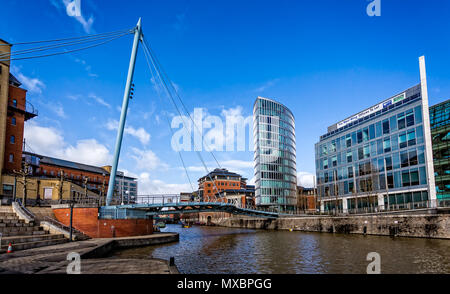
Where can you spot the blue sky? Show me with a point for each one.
(325, 60)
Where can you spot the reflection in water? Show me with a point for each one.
(244, 251)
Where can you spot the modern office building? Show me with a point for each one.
(275, 155)
(440, 134)
(380, 158)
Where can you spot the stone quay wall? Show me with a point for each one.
(422, 226)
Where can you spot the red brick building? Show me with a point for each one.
(217, 181)
(18, 112)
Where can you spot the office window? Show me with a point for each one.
(360, 153)
(412, 157)
(366, 151)
(414, 177)
(394, 142)
(380, 146)
(359, 136)
(423, 175)
(411, 137)
(11, 158)
(409, 118)
(405, 178)
(387, 145)
(388, 161)
(348, 140)
(393, 123)
(396, 160)
(372, 132)
(334, 160)
(418, 114)
(350, 172)
(402, 140)
(419, 132)
(404, 161)
(349, 156)
(13, 121)
(12, 140)
(365, 134)
(385, 127)
(378, 130)
(401, 121)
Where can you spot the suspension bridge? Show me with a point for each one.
(164, 85)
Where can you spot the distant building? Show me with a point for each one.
(440, 134)
(217, 181)
(14, 112)
(275, 155)
(126, 188)
(306, 199)
(240, 197)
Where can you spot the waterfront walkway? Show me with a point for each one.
(53, 259)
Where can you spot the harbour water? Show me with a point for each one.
(214, 250)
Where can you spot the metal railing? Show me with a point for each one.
(79, 234)
(24, 209)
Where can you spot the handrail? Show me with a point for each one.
(24, 209)
(63, 226)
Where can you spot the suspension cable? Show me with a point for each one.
(64, 39)
(58, 45)
(63, 52)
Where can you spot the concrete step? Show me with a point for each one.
(15, 224)
(11, 231)
(11, 221)
(8, 216)
(6, 209)
(27, 239)
(29, 245)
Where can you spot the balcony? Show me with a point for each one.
(29, 110)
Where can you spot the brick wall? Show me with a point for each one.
(86, 220)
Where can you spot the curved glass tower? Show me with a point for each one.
(275, 155)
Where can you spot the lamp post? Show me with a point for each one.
(71, 205)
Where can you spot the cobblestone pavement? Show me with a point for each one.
(53, 259)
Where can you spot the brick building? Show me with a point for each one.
(14, 112)
(217, 181)
(306, 199)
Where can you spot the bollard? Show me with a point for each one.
(172, 261)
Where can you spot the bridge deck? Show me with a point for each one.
(140, 210)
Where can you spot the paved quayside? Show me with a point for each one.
(53, 259)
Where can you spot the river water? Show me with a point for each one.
(214, 250)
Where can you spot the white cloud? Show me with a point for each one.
(33, 85)
(266, 85)
(305, 179)
(99, 100)
(50, 141)
(140, 133)
(86, 23)
(57, 108)
(149, 186)
(148, 160)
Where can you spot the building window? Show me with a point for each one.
(13, 121)
(11, 158)
(14, 102)
(12, 140)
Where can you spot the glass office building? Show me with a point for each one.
(275, 155)
(379, 158)
(440, 134)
